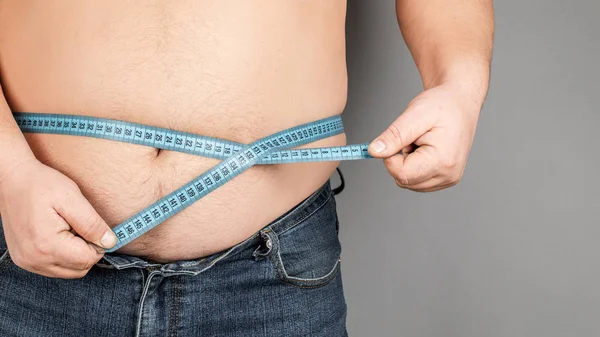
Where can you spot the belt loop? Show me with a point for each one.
(266, 245)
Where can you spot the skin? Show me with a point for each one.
(212, 68)
(451, 42)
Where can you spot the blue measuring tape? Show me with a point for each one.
(236, 157)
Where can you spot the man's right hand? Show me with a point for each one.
(41, 210)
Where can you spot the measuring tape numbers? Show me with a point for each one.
(236, 157)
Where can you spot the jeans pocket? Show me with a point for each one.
(308, 254)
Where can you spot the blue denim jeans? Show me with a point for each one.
(284, 280)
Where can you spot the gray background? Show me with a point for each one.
(514, 248)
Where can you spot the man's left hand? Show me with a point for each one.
(435, 134)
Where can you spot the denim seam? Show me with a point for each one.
(135, 264)
(4, 260)
(275, 268)
(105, 265)
(217, 260)
(298, 285)
(292, 280)
(171, 307)
(178, 303)
(299, 279)
(170, 272)
(141, 306)
(282, 274)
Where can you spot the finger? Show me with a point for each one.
(98, 249)
(56, 271)
(72, 231)
(436, 183)
(415, 168)
(74, 253)
(407, 128)
(50, 268)
(408, 149)
(84, 219)
(434, 187)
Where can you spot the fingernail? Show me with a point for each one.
(378, 146)
(108, 239)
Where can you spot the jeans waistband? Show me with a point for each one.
(287, 220)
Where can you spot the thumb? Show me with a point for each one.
(406, 129)
(86, 222)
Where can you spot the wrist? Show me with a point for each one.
(16, 165)
(469, 78)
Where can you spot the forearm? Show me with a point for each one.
(13, 146)
(450, 41)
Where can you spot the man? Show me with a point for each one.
(260, 255)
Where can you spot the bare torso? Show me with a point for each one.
(238, 70)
